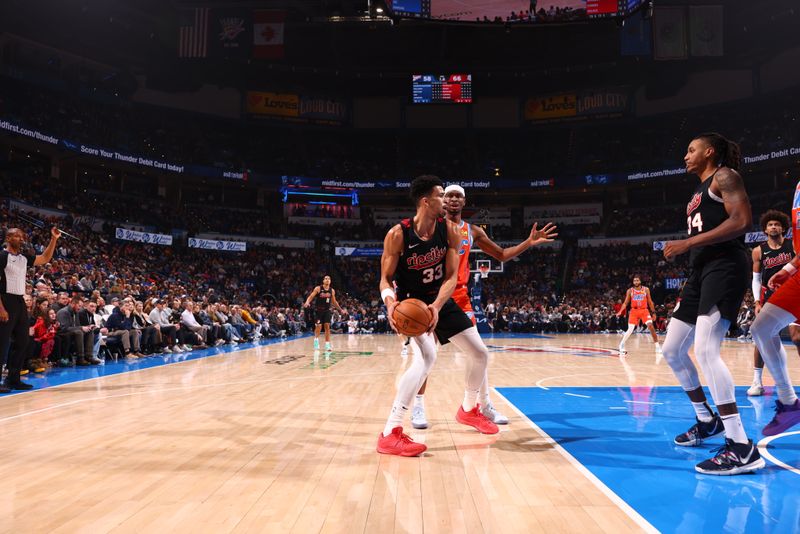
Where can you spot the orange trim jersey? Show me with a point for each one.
(787, 296)
(465, 233)
(638, 299)
(461, 293)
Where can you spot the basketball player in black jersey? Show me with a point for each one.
(768, 259)
(421, 256)
(717, 216)
(325, 297)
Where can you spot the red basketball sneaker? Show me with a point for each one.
(476, 420)
(399, 444)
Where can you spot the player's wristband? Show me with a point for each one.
(789, 268)
(388, 292)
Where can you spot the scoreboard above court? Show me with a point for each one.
(472, 11)
(411, 8)
(610, 8)
(441, 89)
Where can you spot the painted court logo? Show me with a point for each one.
(329, 359)
(283, 360)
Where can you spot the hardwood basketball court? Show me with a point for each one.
(277, 438)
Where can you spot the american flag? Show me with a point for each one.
(193, 33)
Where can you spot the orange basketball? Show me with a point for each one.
(412, 317)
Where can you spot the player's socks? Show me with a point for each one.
(756, 389)
(758, 375)
(395, 418)
(470, 400)
(733, 428)
(418, 419)
(703, 411)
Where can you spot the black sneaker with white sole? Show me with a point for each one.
(732, 459)
(700, 431)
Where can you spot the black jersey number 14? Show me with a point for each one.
(695, 222)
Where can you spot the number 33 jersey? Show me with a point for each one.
(705, 212)
(420, 271)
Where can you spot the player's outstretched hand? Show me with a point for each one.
(55, 232)
(546, 235)
(434, 317)
(390, 315)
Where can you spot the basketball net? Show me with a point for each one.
(484, 270)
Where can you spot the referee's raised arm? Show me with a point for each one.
(47, 255)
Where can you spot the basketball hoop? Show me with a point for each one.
(484, 270)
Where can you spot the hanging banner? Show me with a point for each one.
(706, 31)
(296, 108)
(143, 237)
(595, 104)
(669, 32)
(213, 244)
(551, 107)
(268, 30)
(273, 104)
(230, 33)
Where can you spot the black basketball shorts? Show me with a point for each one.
(324, 317)
(720, 282)
(452, 321)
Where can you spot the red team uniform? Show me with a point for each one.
(788, 295)
(639, 309)
(461, 294)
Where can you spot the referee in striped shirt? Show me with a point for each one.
(14, 264)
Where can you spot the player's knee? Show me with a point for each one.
(670, 352)
(757, 329)
(426, 351)
(428, 360)
(480, 354)
(706, 353)
(762, 328)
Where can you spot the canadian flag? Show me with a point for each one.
(268, 34)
